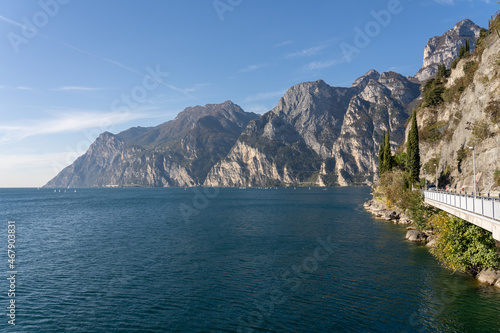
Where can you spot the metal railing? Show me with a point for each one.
(484, 206)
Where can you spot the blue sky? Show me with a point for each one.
(71, 69)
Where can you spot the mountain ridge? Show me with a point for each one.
(317, 134)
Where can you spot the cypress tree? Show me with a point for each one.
(387, 153)
(441, 72)
(384, 154)
(413, 152)
(381, 156)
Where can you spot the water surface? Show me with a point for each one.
(275, 260)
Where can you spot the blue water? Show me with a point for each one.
(228, 260)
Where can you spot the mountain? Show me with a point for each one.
(177, 153)
(443, 49)
(316, 135)
(320, 135)
(468, 116)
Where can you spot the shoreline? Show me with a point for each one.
(381, 212)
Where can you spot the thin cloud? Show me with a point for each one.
(67, 122)
(76, 88)
(253, 68)
(3, 18)
(23, 160)
(287, 42)
(307, 52)
(316, 65)
(265, 96)
(17, 88)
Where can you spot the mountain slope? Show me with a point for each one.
(468, 117)
(443, 49)
(177, 153)
(321, 135)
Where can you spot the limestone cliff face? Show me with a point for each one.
(443, 49)
(465, 122)
(177, 153)
(320, 135)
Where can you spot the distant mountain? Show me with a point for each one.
(320, 135)
(177, 153)
(443, 49)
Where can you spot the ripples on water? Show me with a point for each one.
(126, 260)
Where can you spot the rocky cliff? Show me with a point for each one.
(177, 153)
(320, 135)
(443, 49)
(469, 116)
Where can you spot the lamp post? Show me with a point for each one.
(436, 182)
(474, 167)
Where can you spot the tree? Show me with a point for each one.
(384, 154)
(442, 72)
(387, 153)
(433, 91)
(413, 151)
(464, 50)
(381, 153)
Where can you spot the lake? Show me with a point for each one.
(224, 260)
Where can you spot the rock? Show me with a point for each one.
(411, 228)
(489, 276)
(403, 219)
(457, 119)
(332, 134)
(443, 49)
(416, 236)
(391, 215)
(431, 242)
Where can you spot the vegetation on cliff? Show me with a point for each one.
(460, 245)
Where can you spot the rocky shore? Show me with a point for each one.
(380, 211)
(396, 216)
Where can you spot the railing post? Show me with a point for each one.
(493, 207)
(482, 205)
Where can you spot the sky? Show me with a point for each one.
(72, 69)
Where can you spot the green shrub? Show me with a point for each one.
(429, 167)
(468, 65)
(493, 111)
(480, 132)
(432, 132)
(433, 92)
(496, 177)
(461, 245)
(399, 161)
